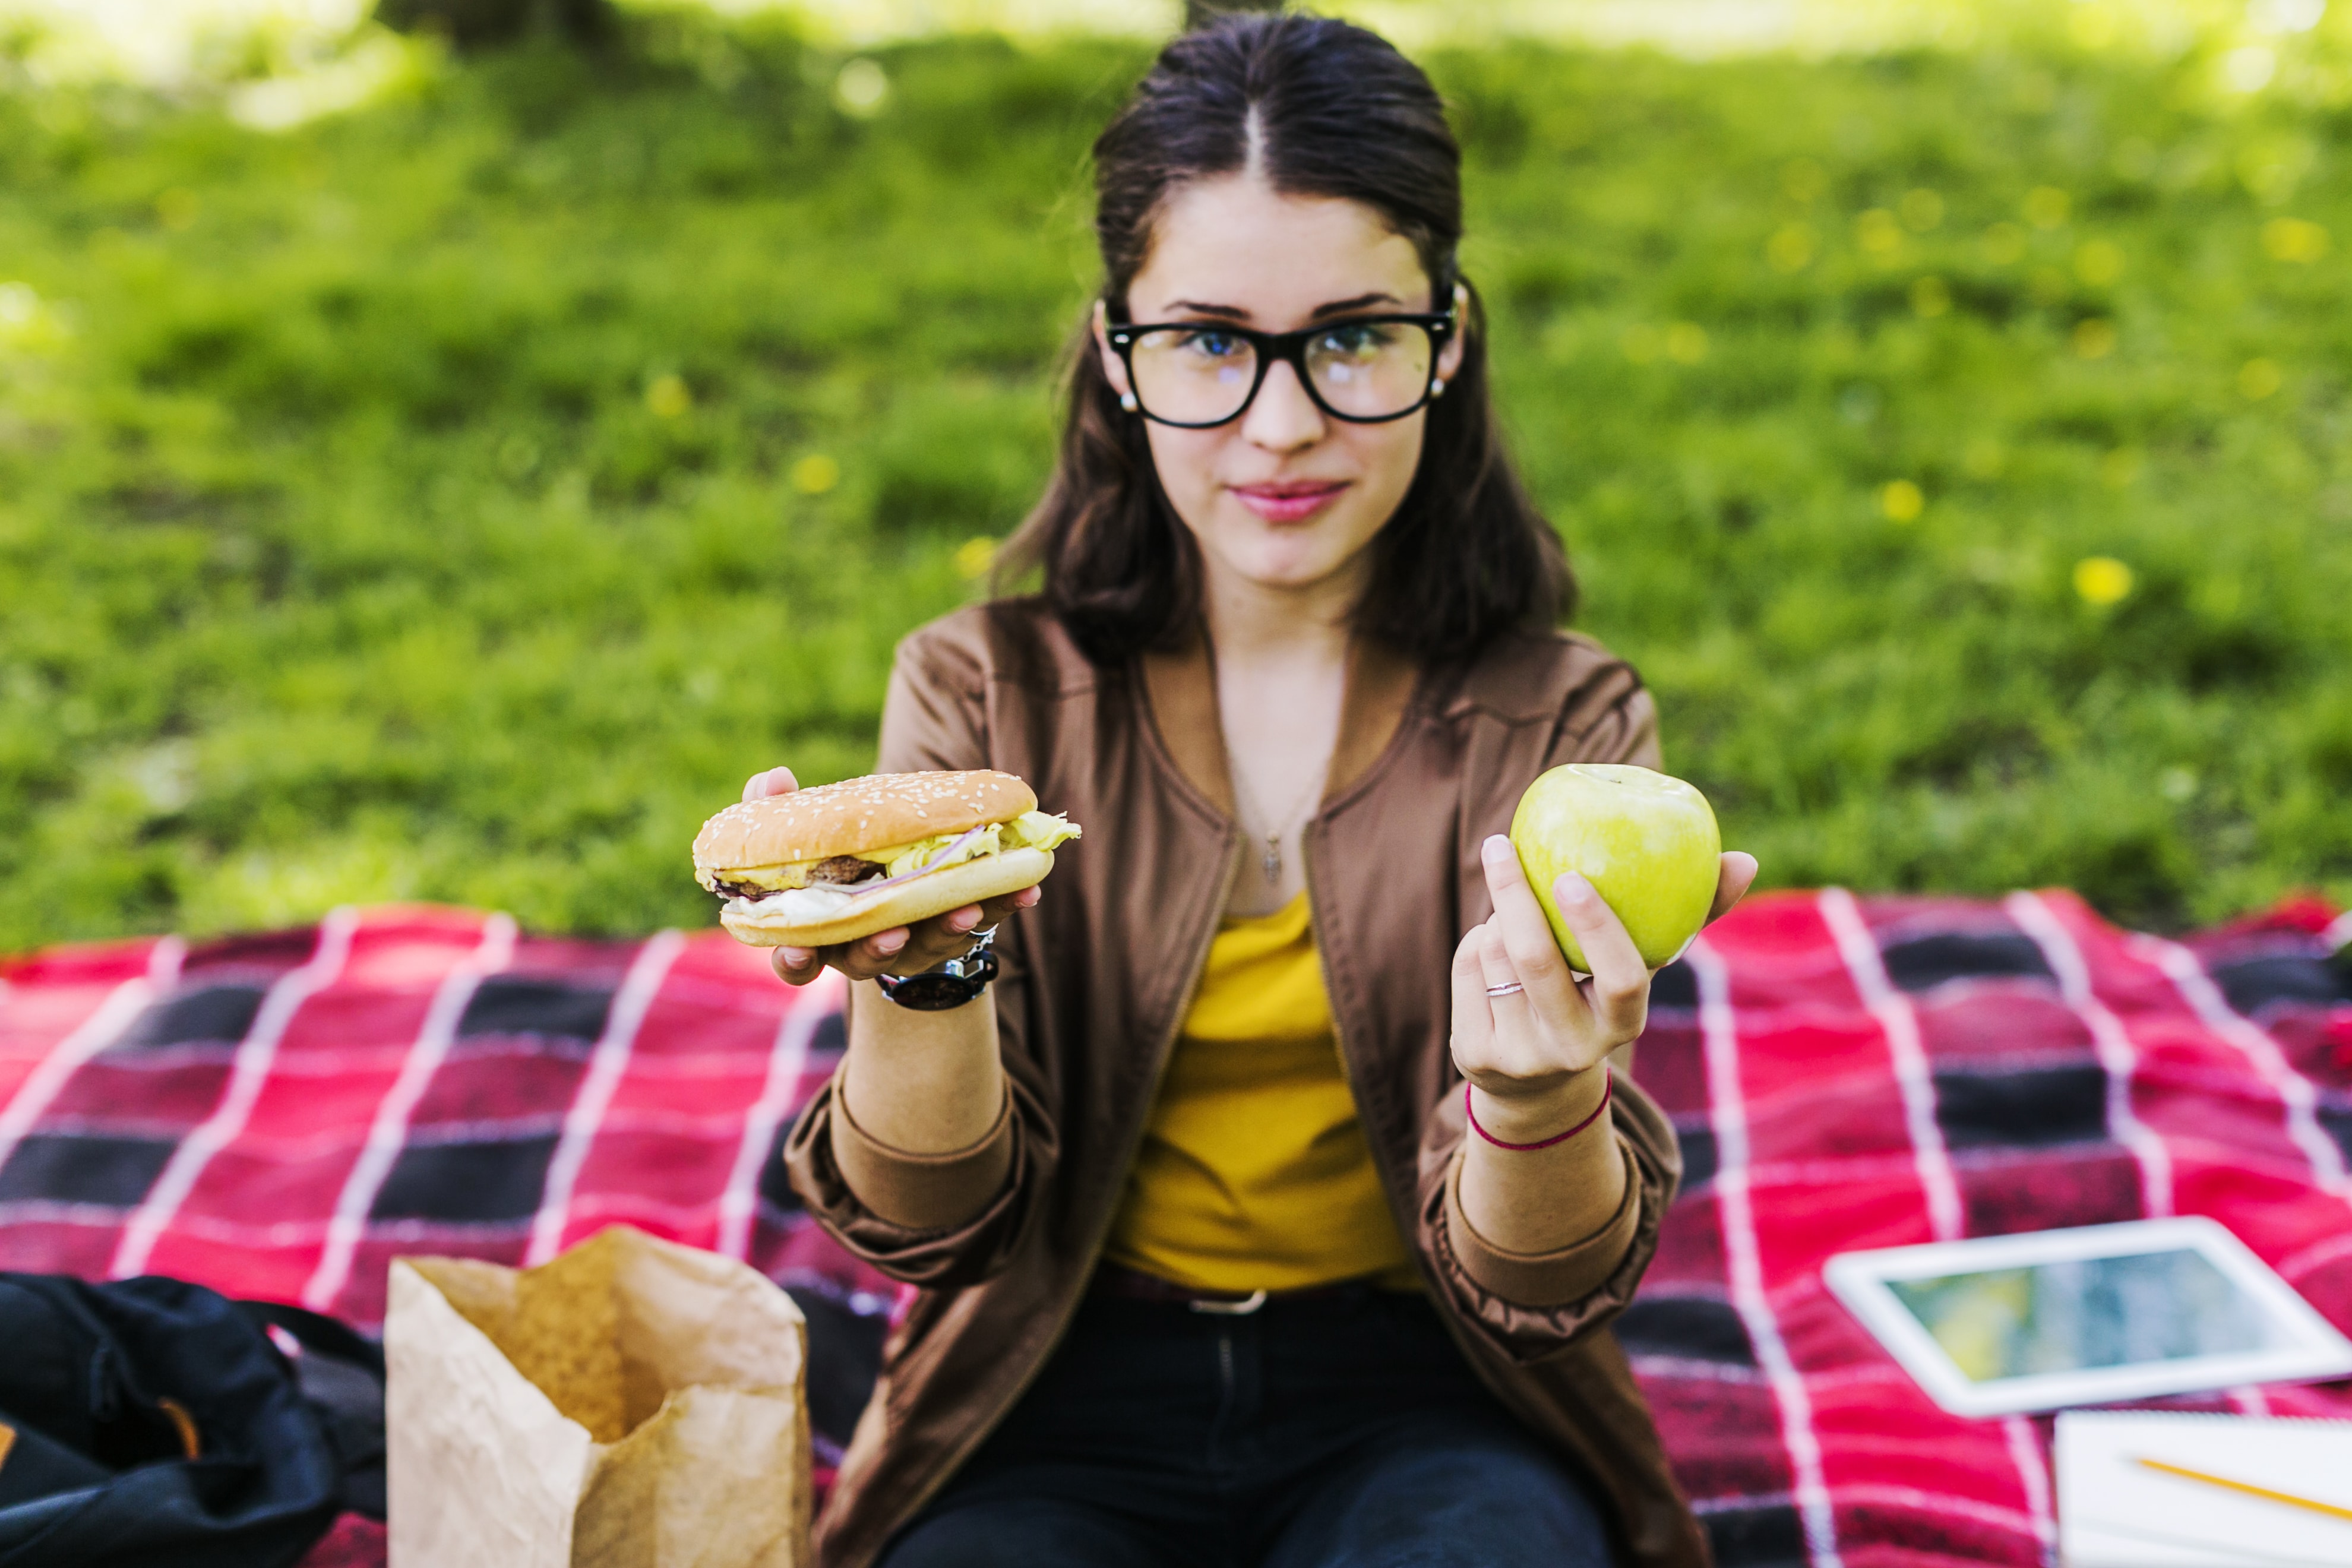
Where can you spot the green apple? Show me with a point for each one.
(1646, 842)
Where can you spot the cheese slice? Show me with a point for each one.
(1030, 830)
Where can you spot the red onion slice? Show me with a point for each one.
(857, 891)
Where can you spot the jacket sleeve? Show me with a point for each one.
(1535, 1305)
(939, 1221)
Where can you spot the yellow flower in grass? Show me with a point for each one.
(974, 556)
(1902, 501)
(1877, 232)
(816, 474)
(2294, 239)
(2099, 263)
(667, 397)
(2258, 378)
(2102, 580)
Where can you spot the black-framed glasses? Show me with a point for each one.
(1366, 370)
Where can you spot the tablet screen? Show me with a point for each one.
(2079, 1314)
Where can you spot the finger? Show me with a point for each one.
(871, 955)
(1473, 1018)
(932, 941)
(1523, 1047)
(960, 927)
(939, 938)
(796, 965)
(1011, 903)
(774, 781)
(1621, 980)
(956, 924)
(1519, 922)
(1739, 874)
(1497, 973)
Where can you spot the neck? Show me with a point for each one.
(1255, 624)
(1282, 661)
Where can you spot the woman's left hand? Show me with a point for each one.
(1528, 1050)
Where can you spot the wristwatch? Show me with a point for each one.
(951, 984)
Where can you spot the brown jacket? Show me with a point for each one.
(1094, 987)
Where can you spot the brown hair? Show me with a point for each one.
(1339, 113)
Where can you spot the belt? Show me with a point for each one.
(1134, 1284)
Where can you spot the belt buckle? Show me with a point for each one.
(1241, 1308)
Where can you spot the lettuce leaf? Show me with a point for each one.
(916, 856)
(1039, 830)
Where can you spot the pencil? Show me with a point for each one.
(2313, 1504)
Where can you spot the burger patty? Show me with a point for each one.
(840, 870)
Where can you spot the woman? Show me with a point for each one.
(1215, 1266)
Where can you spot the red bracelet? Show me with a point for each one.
(1608, 1087)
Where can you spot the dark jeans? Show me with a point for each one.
(1332, 1431)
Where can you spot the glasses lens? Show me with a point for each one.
(1193, 375)
(1371, 370)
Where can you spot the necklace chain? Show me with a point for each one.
(1270, 861)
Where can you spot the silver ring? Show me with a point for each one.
(1510, 989)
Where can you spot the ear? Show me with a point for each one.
(1113, 368)
(1449, 358)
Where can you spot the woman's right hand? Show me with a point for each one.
(902, 950)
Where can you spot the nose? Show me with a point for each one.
(1283, 419)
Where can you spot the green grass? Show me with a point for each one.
(356, 543)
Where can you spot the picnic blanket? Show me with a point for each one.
(278, 1116)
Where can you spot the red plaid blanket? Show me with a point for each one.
(278, 1116)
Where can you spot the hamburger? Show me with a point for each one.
(844, 860)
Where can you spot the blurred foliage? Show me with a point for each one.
(474, 23)
(455, 499)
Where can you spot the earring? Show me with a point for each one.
(1127, 401)
(1437, 389)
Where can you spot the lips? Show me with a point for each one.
(1290, 502)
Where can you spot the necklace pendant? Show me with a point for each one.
(1272, 863)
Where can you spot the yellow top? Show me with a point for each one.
(1253, 1172)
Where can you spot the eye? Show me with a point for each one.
(1213, 345)
(1356, 339)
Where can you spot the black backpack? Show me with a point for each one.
(151, 1424)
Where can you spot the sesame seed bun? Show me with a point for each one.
(856, 815)
(933, 893)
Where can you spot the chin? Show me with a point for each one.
(1292, 555)
(1286, 563)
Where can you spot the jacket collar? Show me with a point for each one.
(1182, 684)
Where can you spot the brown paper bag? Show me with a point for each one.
(633, 1404)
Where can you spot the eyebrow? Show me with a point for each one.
(1337, 307)
(1377, 297)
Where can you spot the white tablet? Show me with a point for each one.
(2092, 1316)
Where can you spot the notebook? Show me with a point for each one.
(2115, 1512)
